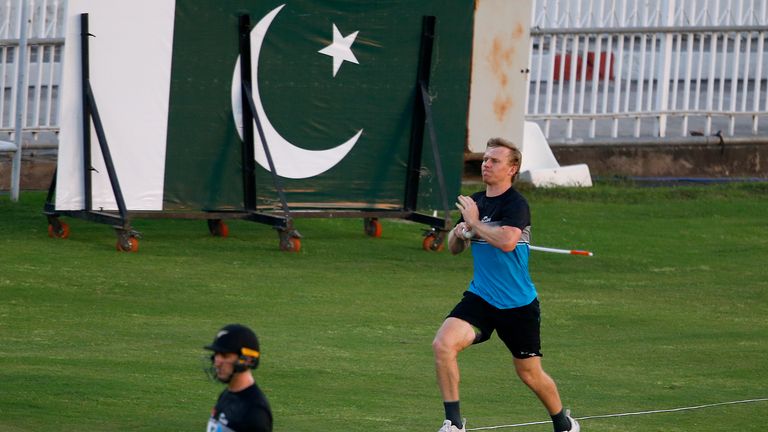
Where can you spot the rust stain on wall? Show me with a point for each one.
(500, 56)
(501, 106)
(500, 59)
(519, 31)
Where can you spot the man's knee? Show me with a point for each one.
(530, 371)
(454, 335)
(443, 347)
(527, 376)
(448, 345)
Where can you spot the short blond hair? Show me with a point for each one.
(515, 155)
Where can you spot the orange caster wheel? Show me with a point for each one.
(293, 244)
(127, 244)
(62, 232)
(372, 227)
(290, 240)
(127, 240)
(432, 242)
(218, 228)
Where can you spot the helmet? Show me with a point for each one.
(237, 338)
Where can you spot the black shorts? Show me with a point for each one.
(518, 328)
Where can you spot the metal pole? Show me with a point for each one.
(21, 96)
(87, 113)
(418, 117)
(663, 72)
(246, 78)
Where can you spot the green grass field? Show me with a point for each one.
(672, 311)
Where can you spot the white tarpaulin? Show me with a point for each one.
(130, 69)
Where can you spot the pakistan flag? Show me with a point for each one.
(334, 87)
(333, 84)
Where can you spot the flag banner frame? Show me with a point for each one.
(251, 206)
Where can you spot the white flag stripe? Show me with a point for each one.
(130, 68)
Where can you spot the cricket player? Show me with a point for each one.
(241, 407)
(496, 224)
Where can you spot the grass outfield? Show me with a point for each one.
(672, 311)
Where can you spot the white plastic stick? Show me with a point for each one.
(561, 251)
(470, 234)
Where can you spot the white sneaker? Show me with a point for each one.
(574, 424)
(449, 427)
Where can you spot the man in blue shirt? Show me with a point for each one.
(501, 296)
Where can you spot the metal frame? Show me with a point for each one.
(281, 220)
(422, 115)
(125, 234)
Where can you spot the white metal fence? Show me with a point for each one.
(649, 68)
(31, 42)
(39, 66)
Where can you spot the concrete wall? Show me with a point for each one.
(37, 170)
(666, 160)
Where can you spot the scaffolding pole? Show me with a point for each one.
(21, 85)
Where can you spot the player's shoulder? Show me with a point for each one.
(260, 398)
(515, 203)
(514, 195)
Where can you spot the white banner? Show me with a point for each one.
(130, 70)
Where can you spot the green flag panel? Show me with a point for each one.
(326, 71)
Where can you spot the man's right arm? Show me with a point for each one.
(456, 240)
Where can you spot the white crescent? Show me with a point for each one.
(290, 161)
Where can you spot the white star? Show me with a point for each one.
(340, 49)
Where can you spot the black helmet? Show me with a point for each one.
(237, 338)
